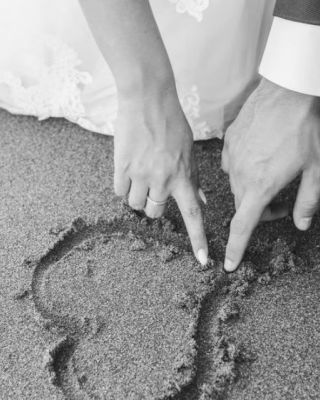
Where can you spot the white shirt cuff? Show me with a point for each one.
(292, 56)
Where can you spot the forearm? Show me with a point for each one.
(129, 39)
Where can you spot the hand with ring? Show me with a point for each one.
(154, 160)
(155, 208)
(153, 154)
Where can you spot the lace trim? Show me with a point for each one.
(106, 129)
(195, 8)
(56, 87)
(57, 90)
(191, 106)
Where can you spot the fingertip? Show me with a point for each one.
(303, 224)
(241, 228)
(202, 256)
(200, 247)
(153, 214)
(202, 196)
(188, 200)
(229, 265)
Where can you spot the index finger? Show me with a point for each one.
(242, 226)
(188, 202)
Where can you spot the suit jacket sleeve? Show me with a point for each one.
(305, 11)
(292, 55)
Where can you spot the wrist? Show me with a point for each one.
(273, 90)
(141, 81)
(149, 91)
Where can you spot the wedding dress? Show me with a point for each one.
(50, 65)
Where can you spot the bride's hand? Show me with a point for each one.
(154, 160)
(153, 141)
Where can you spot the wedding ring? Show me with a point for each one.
(155, 209)
(157, 203)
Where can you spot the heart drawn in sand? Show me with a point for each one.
(124, 298)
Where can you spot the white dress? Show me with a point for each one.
(50, 65)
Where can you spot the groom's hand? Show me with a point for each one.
(275, 138)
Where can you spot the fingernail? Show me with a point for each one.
(229, 265)
(304, 223)
(202, 257)
(202, 196)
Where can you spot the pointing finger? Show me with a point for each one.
(242, 225)
(188, 203)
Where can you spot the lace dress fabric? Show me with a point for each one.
(52, 67)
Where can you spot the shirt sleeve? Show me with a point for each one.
(292, 55)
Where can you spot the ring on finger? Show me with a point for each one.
(154, 208)
(157, 203)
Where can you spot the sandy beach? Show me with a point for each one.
(98, 302)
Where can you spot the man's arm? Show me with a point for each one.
(276, 136)
(292, 55)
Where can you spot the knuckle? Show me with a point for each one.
(161, 174)
(194, 211)
(137, 174)
(308, 207)
(264, 182)
(263, 185)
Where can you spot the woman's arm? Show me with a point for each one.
(129, 39)
(153, 140)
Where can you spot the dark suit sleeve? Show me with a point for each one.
(306, 11)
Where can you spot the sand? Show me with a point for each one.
(124, 296)
(100, 303)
